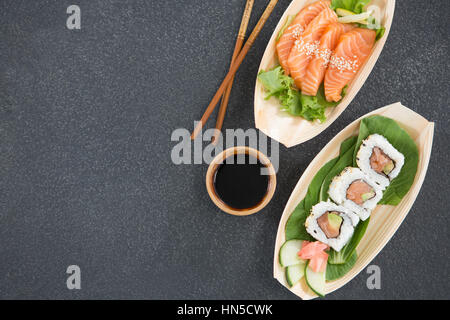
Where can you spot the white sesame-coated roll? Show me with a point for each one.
(366, 152)
(349, 221)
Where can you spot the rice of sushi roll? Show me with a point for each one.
(331, 224)
(355, 190)
(379, 159)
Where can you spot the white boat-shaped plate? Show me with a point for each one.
(385, 219)
(290, 130)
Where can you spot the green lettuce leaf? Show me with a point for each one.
(355, 6)
(358, 5)
(275, 82)
(401, 140)
(312, 109)
(291, 102)
(278, 85)
(380, 32)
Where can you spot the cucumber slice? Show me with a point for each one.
(288, 253)
(295, 273)
(315, 280)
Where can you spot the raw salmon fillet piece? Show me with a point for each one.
(352, 50)
(357, 189)
(295, 29)
(306, 46)
(319, 63)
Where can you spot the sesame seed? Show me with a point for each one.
(298, 32)
(325, 55)
(342, 64)
(308, 48)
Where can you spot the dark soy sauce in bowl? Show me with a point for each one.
(239, 181)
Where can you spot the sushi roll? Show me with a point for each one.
(379, 160)
(355, 190)
(331, 224)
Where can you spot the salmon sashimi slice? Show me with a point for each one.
(306, 46)
(295, 29)
(352, 50)
(319, 62)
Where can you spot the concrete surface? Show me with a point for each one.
(86, 176)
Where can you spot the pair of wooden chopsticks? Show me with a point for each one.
(237, 48)
(225, 87)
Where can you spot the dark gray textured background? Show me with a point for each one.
(85, 171)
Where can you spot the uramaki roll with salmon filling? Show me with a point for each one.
(356, 191)
(331, 224)
(379, 159)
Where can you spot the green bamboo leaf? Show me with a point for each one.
(295, 226)
(336, 271)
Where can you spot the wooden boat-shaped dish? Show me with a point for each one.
(385, 219)
(290, 130)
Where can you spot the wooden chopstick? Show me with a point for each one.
(237, 49)
(248, 44)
